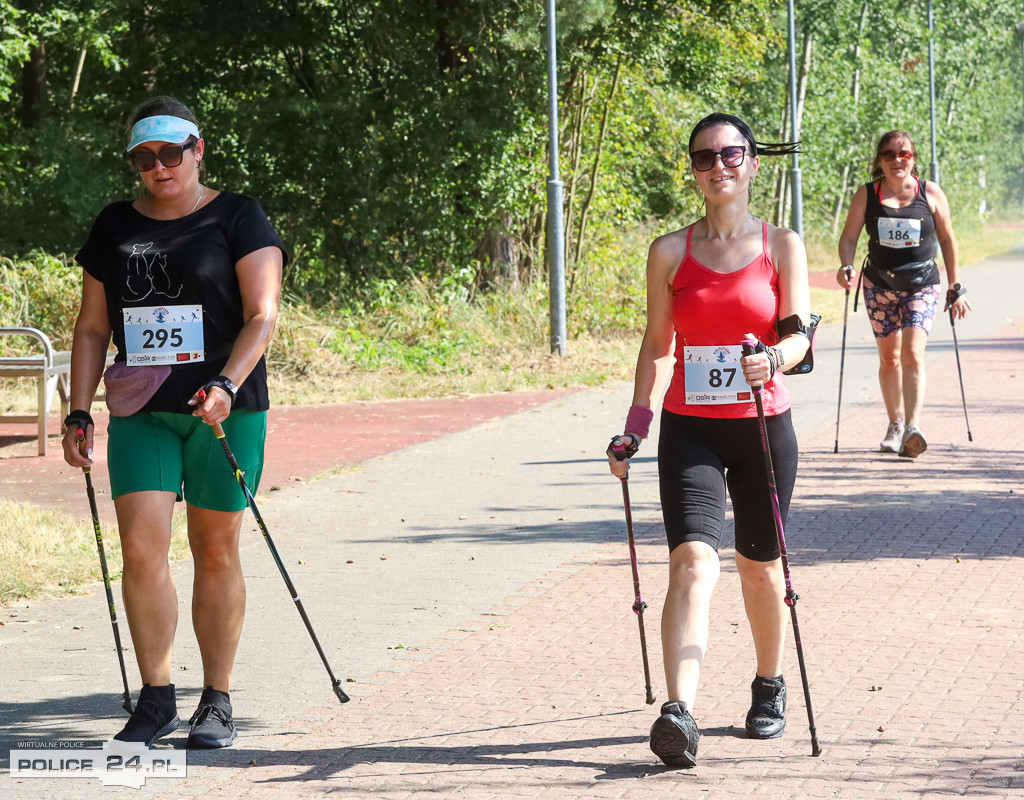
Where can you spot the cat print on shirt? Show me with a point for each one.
(147, 274)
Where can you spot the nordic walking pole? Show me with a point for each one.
(218, 431)
(951, 297)
(791, 595)
(127, 704)
(842, 364)
(619, 451)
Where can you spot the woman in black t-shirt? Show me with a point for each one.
(186, 281)
(904, 216)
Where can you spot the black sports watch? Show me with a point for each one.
(225, 383)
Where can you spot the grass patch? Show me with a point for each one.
(46, 553)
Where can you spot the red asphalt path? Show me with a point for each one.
(302, 441)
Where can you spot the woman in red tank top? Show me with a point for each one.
(726, 277)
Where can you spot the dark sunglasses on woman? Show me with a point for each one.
(703, 160)
(145, 160)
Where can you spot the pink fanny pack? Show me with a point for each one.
(128, 388)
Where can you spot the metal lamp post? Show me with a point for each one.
(1020, 32)
(556, 221)
(794, 173)
(931, 90)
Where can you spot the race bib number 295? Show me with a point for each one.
(163, 334)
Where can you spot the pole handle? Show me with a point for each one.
(218, 431)
(80, 438)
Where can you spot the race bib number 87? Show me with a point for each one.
(714, 376)
(163, 334)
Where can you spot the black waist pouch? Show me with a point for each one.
(907, 277)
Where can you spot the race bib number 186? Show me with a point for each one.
(899, 233)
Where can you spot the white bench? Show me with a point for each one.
(51, 369)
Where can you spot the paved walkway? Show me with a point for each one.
(475, 588)
(302, 442)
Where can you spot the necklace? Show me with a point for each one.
(198, 200)
(898, 195)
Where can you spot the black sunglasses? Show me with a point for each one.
(703, 160)
(145, 160)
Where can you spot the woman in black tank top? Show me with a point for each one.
(904, 217)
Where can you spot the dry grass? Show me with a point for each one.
(46, 553)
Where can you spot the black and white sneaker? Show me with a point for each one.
(155, 716)
(767, 716)
(674, 736)
(212, 725)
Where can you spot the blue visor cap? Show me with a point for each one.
(162, 129)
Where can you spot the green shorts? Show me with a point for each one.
(163, 451)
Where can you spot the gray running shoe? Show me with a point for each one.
(893, 437)
(913, 442)
(674, 736)
(212, 724)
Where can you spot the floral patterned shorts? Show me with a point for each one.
(891, 311)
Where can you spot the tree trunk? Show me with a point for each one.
(802, 76)
(77, 79)
(140, 49)
(782, 184)
(454, 54)
(575, 147)
(844, 184)
(497, 252)
(595, 168)
(35, 96)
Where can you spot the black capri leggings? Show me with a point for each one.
(698, 458)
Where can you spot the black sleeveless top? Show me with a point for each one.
(900, 239)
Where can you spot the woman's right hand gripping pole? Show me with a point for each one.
(622, 448)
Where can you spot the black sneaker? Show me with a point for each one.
(212, 725)
(767, 716)
(674, 736)
(155, 715)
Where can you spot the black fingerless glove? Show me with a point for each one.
(620, 450)
(955, 292)
(78, 419)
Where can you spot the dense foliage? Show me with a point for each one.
(391, 139)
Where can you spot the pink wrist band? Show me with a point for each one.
(638, 421)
